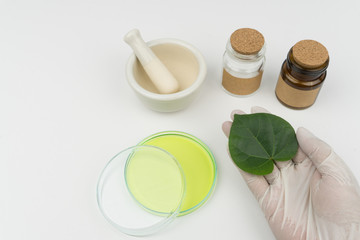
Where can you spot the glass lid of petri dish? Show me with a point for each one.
(141, 190)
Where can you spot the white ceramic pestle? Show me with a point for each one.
(163, 80)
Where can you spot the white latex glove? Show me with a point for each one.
(314, 196)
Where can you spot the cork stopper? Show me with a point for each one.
(310, 54)
(247, 41)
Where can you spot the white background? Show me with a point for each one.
(66, 108)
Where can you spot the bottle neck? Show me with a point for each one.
(301, 73)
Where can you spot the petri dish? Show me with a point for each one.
(196, 161)
(141, 190)
(144, 188)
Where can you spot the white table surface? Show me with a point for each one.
(66, 108)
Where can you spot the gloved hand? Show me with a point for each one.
(313, 196)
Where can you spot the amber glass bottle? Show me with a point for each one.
(302, 74)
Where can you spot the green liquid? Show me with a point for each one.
(198, 166)
(155, 180)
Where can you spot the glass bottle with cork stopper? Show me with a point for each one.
(243, 62)
(302, 74)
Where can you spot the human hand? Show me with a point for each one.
(313, 196)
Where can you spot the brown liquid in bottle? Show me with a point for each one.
(302, 74)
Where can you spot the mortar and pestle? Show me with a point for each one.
(166, 74)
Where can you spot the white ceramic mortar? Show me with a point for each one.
(168, 102)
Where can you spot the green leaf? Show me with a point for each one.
(256, 140)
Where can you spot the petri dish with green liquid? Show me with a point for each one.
(197, 162)
(144, 188)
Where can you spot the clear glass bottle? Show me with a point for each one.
(243, 62)
(302, 74)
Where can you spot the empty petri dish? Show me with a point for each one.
(141, 190)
